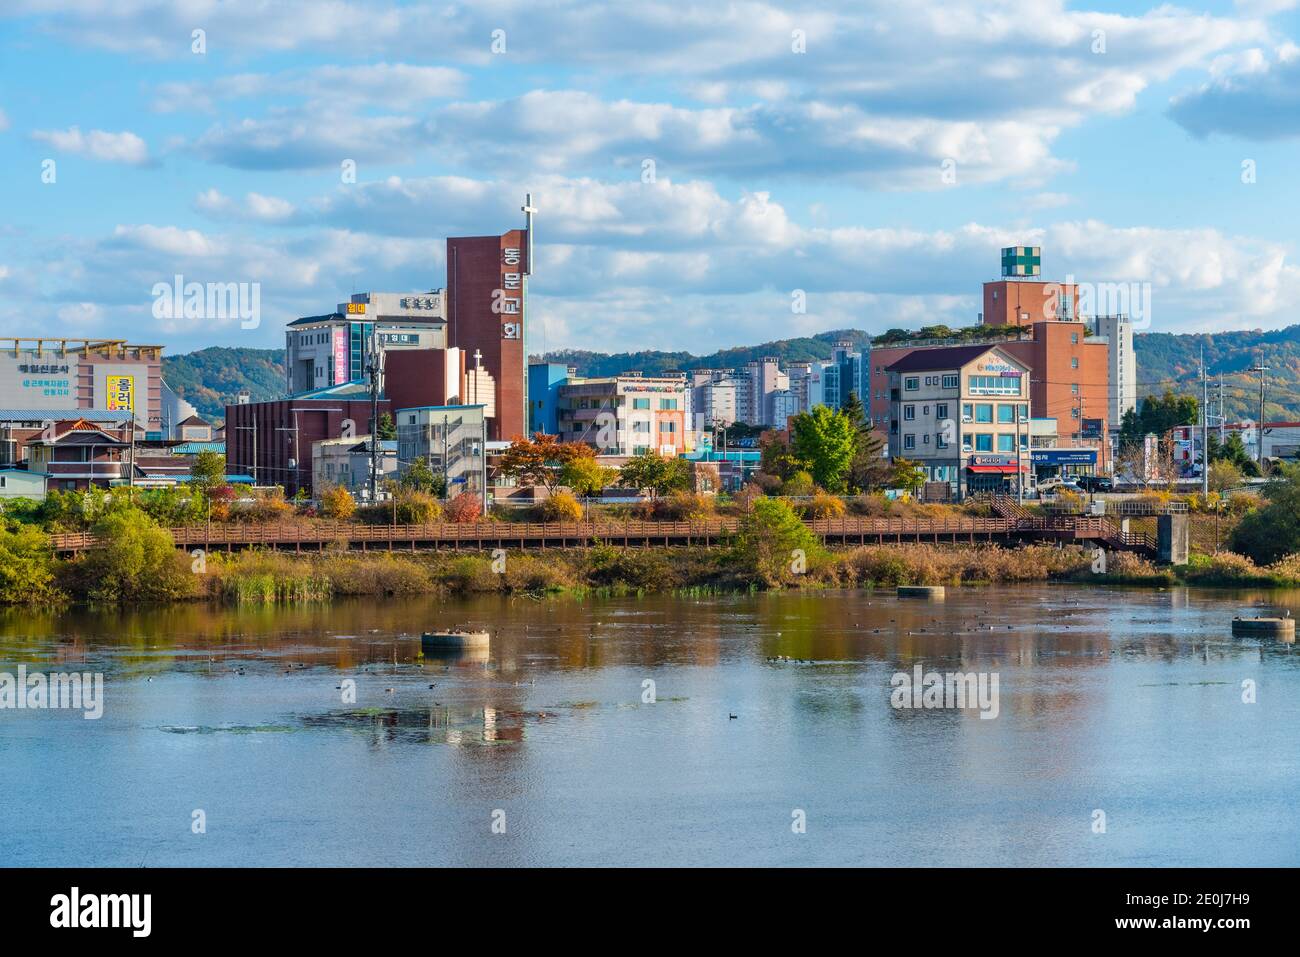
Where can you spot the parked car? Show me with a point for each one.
(1055, 486)
(1096, 483)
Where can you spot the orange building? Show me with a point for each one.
(1023, 302)
(1069, 380)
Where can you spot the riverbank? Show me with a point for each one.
(269, 577)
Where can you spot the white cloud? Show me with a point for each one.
(1253, 95)
(392, 85)
(254, 208)
(123, 147)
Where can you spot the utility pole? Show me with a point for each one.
(1259, 429)
(1223, 412)
(252, 428)
(1205, 428)
(373, 367)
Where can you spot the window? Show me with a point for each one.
(909, 441)
(941, 410)
(667, 426)
(667, 405)
(984, 442)
(1074, 387)
(925, 439)
(912, 383)
(967, 415)
(940, 442)
(950, 382)
(1074, 362)
(983, 412)
(1024, 412)
(1074, 413)
(641, 403)
(1074, 338)
(1006, 414)
(994, 385)
(909, 413)
(925, 410)
(641, 428)
(1006, 442)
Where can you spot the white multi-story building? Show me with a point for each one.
(627, 414)
(963, 414)
(331, 349)
(1118, 332)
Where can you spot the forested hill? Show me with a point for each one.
(1167, 360)
(212, 377)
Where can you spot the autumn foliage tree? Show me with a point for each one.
(542, 459)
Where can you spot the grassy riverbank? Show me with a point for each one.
(137, 561)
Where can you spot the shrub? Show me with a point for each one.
(683, 507)
(465, 507)
(411, 507)
(337, 503)
(824, 506)
(263, 576)
(470, 573)
(561, 507)
(382, 575)
(800, 483)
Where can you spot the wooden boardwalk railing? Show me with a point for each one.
(317, 536)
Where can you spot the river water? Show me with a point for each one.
(1121, 735)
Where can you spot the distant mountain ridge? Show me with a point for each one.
(211, 377)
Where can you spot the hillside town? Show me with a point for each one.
(1033, 398)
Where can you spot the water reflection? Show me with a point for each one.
(1126, 699)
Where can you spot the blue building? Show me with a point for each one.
(544, 381)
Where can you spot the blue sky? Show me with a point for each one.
(1111, 134)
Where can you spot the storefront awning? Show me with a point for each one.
(992, 469)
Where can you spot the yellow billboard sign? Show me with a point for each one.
(121, 393)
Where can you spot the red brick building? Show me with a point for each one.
(263, 438)
(1023, 302)
(486, 279)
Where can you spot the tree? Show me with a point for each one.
(826, 442)
(908, 474)
(772, 543)
(1273, 531)
(776, 458)
(26, 565)
(1158, 416)
(387, 429)
(655, 472)
(419, 477)
(869, 469)
(135, 560)
(539, 460)
(585, 476)
(1224, 475)
(208, 472)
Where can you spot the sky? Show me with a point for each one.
(705, 175)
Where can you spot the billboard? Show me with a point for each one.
(120, 393)
(1022, 260)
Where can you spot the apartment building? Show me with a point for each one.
(963, 414)
(627, 414)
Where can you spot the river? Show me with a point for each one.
(1121, 737)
